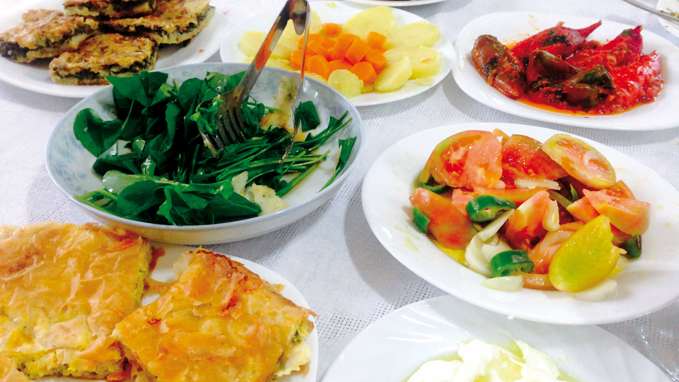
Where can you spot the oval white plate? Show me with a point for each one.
(645, 286)
(396, 3)
(514, 26)
(669, 5)
(36, 78)
(392, 348)
(164, 272)
(338, 12)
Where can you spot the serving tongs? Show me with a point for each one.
(658, 12)
(230, 126)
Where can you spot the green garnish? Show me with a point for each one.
(507, 263)
(633, 247)
(421, 220)
(485, 208)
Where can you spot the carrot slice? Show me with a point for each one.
(356, 51)
(331, 29)
(296, 59)
(342, 44)
(376, 59)
(318, 64)
(338, 64)
(365, 71)
(376, 40)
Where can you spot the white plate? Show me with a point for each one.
(646, 285)
(396, 3)
(164, 272)
(338, 12)
(392, 348)
(514, 26)
(36, 78)
(673, 6)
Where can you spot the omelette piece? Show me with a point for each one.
(173, 22)
(9, 372)
(45, 33)
(217, 322)
(104, 55)
(63, 288)
(109, 8)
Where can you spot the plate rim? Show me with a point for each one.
(445, 47)
(397, 3)
(508, 106)
(489, 305)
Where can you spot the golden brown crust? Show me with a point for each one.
(104, 55)
(45, 33)
(109, 8)
(173, 22)
(218, 322)
(62, 290)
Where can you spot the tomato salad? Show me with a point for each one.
(549, 216)
(560, 68)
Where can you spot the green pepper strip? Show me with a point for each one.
(633, 247)
(510, 262)
(485, 208)
(421, 220)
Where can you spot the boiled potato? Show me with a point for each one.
(250, 42)
(426, 62)
(345, 82)
(377, 19)
(394, 76)
(419, 33)
(287, 43)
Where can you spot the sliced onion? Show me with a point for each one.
(489, 250)
(550, 221)
(493, 227)
(537, 183)
(475, 258)
(505, 284)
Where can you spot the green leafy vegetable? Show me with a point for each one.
(156, 168)
(306, 115)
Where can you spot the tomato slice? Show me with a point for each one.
(448, 225)
(516, 195)
(537, 281)
(448, 162)
(580, 160)
(621, 190)
(582, 210)
(523, 158)
(542, 253)
(524, 228)
(628, 215)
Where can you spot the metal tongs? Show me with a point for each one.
(658, 12)
(230, 126)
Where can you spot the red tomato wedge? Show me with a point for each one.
(448, 225)
(516, 195)
(628, 215)
(621, 190)
(581, 161)
(523, 158)
(524, 228)
(542, 253)
(448, 162)
(582, 210)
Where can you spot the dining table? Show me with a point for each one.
(331, 255)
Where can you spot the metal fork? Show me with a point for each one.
(230, 126)
(658, 12)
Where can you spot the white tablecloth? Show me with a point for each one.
(331, 255)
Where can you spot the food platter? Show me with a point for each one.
(513, 26)
(394, 346)
(35, 77)
(339, 12)
(387, 213)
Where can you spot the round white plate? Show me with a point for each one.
(36, 78)
(164, 272)
(396, 3)
(514, 26)
(338, 12)
(672, 6)
(392, 348)
(646, 285)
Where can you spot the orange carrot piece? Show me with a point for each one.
(331, 29)
(356, 51)
(376, 40)
(318, 64)
(296, 59)
(376, 59)
(342, 44)
(338, 64)
(365, 72)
